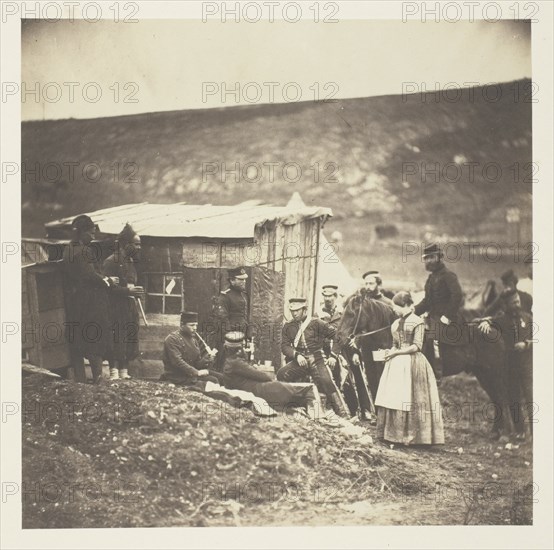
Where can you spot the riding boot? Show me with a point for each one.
(337, 405)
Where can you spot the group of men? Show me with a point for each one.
(306, 341)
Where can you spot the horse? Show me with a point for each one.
(369, 321)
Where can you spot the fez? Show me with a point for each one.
(189, 317)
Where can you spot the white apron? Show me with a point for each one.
(395, 386)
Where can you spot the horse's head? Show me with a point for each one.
(363, 314)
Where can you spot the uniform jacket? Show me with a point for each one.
(231, 311)
(87, 301)
(498, 305)
(332, 317)
(443, 296)
(239, 375)
(515, 327)
(183, 357)
(123, 308)
(311, 341)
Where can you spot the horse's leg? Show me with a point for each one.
(494, 382)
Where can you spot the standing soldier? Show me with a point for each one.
(302, 344)
(120, 266)
(330, 311)
(516, 327)
(344, 377)
(442, 302)
(230, 312)
(87, 304)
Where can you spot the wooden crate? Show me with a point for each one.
(43, 316)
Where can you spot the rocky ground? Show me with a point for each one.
(141, 453)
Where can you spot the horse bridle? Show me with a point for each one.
(354, 335)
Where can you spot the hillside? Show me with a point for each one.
(360, 146)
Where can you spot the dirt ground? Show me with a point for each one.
(145, 454)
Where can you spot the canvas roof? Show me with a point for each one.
(194, 220)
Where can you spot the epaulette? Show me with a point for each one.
(225, 291)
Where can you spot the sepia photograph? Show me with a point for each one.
(278, 268)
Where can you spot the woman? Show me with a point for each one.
(409, 410)
(124, 312)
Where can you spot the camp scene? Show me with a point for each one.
(307, 304)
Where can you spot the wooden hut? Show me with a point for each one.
(187, 250)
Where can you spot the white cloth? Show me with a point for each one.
(261, 406)
(395, 386)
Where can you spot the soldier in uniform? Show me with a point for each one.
(87, 304)
(230, 311)
(516, 327)
(239, 374)
(330, 311)
(186, 357)
(302, 344)
(442, 302)
(344, 377)
(509, 282)
(373, 282)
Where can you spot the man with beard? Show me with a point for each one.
(87, 301)
(187, 359)
(372, 283)
(442, 302)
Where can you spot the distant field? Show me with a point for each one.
(359, 253)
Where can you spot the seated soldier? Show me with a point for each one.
(238, 374)
(186, 357)
(302, 342)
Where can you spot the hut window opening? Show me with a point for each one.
(164, 293)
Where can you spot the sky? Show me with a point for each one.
(86, 70)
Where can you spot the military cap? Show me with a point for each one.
(431, 250)
(83, 223)
(234, 339)
(297, 303)
(329, 290)
(237, 273)
(189, 317)
(375, 274)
